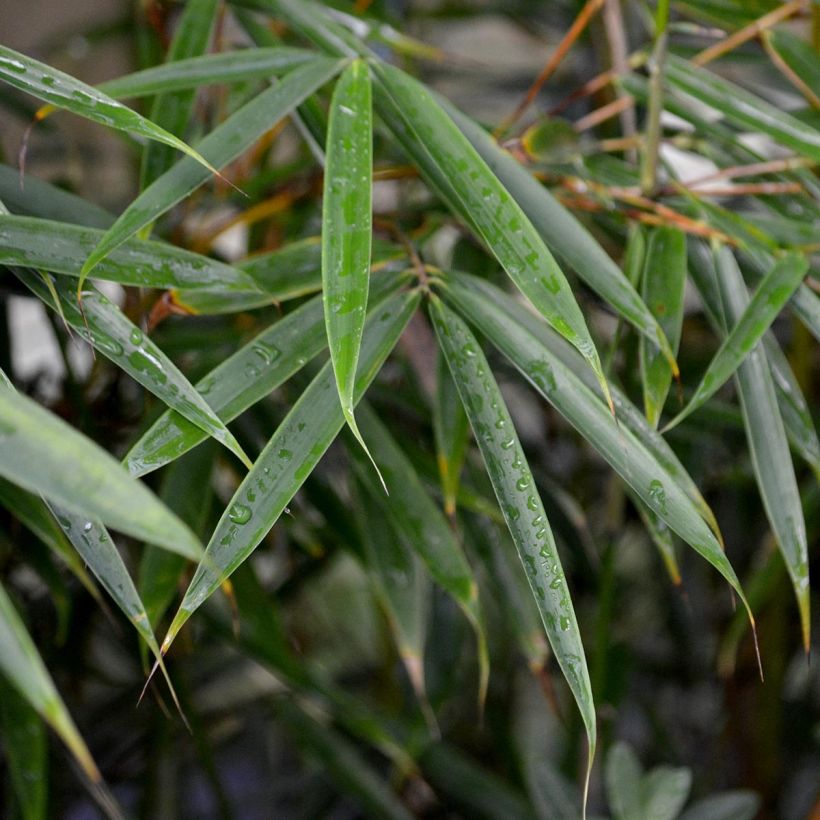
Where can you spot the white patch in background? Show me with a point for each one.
(688, 167)
(34, 349)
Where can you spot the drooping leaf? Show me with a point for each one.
(347, 214)
(565, 235)
(42, 453)
(21, 664)
(208, 69)
(767, 441)
(663, 281)
(103, 325)
(767, 301)
(520, 502)
(63, 91)
(244, 378)
(221, 146)
(470, 187)
(62, 248)
(26, 751)
(626, 449)
(172, 110)
(287, 460)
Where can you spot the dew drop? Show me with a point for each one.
(136, 336)
(240, 514)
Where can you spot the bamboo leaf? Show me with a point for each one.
(521, 504)
(244, 378)
(742, 108)
(347, 214)
(565, 235)
(172, 110)
(452, 430)
(22, 666)
(208, 69)
(287, 460)
(444, 154)
(63, 91)
(767, 442)
(104, 326)
(798, 55)
(656, 478)
(664, 278)
(226, 142)
(417, 519)
(62, 248)
(768, 300)
(42, 453)
(26, 751)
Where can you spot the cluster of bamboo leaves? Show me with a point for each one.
(356, 295)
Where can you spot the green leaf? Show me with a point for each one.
(42, 453)
(22, 666)
(767, 442)
(661, 536)
(208, 69)
(226, 142)
(445, 155)
(452, 430)
(565, 235)
(768, 300)
(287, 460)
(104, 326)
(417, 519)
(658, 479)
(798, 55)
(521, 504)
(341, 761)
(244, 378)
(172, 110)
(664, 279)
(26, 751)
(347, 216)
(742, 108)
(63, 91)
(734, 805)
(623, 782)
(61, 248)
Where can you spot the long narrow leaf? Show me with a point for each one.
(103, 325)
(664, 278)
(520, 502)
(226, 142)
(768, 300)
(42, 453)
(62, 248)
(767, 442)
(565, 235)
(347, 216)
(22, 666)
(287, 460)
(63, 91)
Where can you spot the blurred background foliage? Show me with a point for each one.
(301, 678)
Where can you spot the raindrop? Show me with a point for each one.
(657, 493)
(136, 336)
(239, 514)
